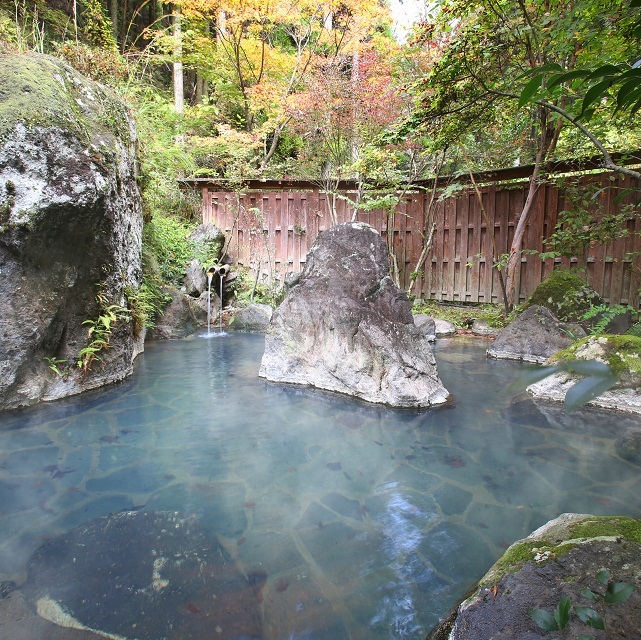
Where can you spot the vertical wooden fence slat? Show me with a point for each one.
(276, 229)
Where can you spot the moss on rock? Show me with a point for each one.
(38, 91)
(566, 295)
(557, 538)
(621, 352)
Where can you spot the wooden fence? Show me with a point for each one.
(271, 226)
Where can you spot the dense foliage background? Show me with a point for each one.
(323, 90)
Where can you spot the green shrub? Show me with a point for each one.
(247, 289)
(462, 315)
(166, 241)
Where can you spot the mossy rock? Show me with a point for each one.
(566, 295)
(558, 537)
(560, 560)
(621, 352)
(40, 91)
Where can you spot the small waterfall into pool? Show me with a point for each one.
(220, 317)
(210, 275)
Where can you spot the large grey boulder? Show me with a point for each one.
(253, 317)
(534, 336)
(561, 559)
(195, 281)
(444, 328)
(207, 241)
(345, 327)
(70, 229)
(426, 325)
(184, 315)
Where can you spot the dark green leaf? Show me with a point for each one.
(618, 592)
(590, 595)
(562, 612)
(605, 70)
(544, 619)
(532, 376)
(544, 68)
(587, 115)
(635, 4)
(587, 367)
(586, 390)
(635, 108)
(635, 72)
(590, 617)
(560, 78)
(603, 576)
(595, 93)
(629, 92)
(623, 194)
(530, 89)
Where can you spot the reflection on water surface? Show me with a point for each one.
(347, 520)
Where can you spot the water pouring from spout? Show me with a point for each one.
(210, 275)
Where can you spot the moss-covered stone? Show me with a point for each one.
(566, 295)
(38, 91)
(70, 226)
(607, 526)
(621, 352)
(555, 540)
(562, 559)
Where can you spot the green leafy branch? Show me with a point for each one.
(99, 332)
(604, 314)
(56, 365)
(557, 620)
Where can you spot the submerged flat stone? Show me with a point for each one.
(144, 576)
(346, 327)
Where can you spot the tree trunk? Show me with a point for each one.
(354, 79)
(113, 10)
(179, 97)
(519, 232)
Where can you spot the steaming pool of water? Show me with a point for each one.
(359, 521)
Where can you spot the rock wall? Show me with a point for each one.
(70, 228)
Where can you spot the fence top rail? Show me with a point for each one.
(494, 176)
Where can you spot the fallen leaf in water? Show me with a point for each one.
(249, 505)
(192, 608)
(454, 461)
(334, 466)
(282, 585)
(61, 474)
(241, 541)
